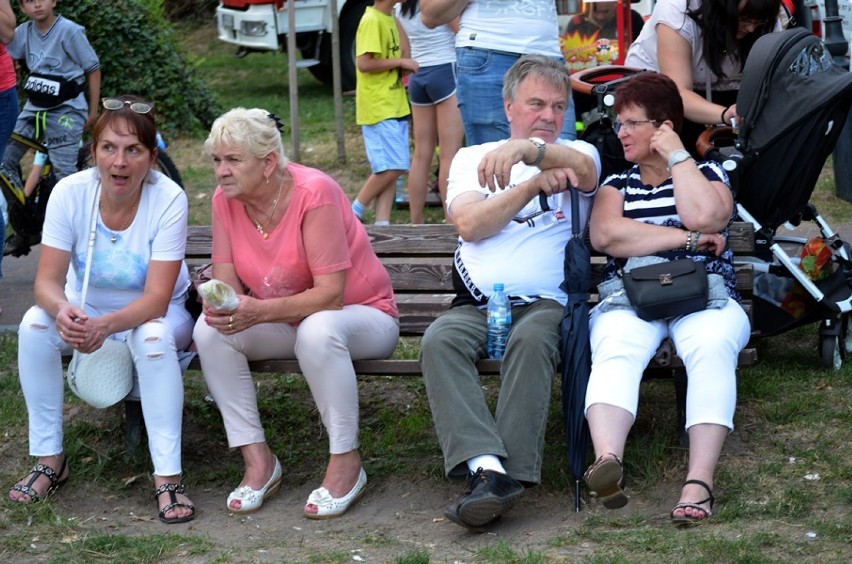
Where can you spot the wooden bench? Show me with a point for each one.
(419, 261)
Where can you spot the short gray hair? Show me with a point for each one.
(254, 131)
(552, 70)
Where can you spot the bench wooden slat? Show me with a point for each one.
(431, 240)
(411, 367)
(418, 274)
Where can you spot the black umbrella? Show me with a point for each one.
(576, 350)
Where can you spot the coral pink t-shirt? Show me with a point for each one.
(318, 235)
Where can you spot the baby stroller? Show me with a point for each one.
(794, 100)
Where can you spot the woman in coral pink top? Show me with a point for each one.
(309, 286)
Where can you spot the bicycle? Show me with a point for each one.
(26, 213)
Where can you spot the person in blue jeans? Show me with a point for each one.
(8, 101)
(491, 37)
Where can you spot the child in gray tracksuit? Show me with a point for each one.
(59, 58)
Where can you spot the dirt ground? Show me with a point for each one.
(396, 517)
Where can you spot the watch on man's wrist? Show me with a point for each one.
(678, 157)
(540, 145)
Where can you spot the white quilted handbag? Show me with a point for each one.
(104, 377)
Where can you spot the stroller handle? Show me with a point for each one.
(586, 80)
(719, 143)
(714, 138)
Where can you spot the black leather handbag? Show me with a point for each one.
(667, 289)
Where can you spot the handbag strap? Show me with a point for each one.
(91, 247)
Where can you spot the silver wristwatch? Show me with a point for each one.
(678, 157)
(540, 145)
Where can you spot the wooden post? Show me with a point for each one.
(293, 79)
(337, 83)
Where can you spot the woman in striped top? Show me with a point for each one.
(668, 206)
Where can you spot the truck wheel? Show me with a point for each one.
(349, 20)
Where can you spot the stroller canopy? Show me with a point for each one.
(794, 100)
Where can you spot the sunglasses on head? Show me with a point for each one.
(116, 104)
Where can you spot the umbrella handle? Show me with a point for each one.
(575, 211)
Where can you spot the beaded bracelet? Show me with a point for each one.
(692, 243)
(688, 240)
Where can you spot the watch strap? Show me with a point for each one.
(678, 157)
(540, 146)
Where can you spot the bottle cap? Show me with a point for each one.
(498, 286)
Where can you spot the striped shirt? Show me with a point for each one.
(656, 205)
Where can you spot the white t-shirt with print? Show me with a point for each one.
(513, 26)
(119, 270)
(526, 255)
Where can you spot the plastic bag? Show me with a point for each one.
(219, 295)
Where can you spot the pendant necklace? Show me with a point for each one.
(127, 223)
(257, 224)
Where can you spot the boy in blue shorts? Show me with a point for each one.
(381, 106)
(60, 60)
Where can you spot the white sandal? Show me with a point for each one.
(330, 507)
(250, 499)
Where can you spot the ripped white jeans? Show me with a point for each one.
(154, 347)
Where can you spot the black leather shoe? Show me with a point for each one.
(452, 513)
(489, 494)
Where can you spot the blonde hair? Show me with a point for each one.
(254, 131)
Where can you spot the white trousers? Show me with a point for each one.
(325, 343)
(154, 347)
(708, 341)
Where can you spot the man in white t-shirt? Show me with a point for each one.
(510, 205)
(492, 35)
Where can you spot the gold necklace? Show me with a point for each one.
(257, 225)
(127, 223)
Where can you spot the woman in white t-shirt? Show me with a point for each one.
(702, 46)
(434, 106)
(136, 221)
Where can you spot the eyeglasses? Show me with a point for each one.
(630, 125)
(114, 104)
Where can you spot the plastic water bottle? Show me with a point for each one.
(499, 322)
(401, 194)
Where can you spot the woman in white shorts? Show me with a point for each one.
(434, 107)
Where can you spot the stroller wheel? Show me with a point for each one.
(830, 352)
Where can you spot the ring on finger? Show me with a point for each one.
(230, 319)
(230, 326)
